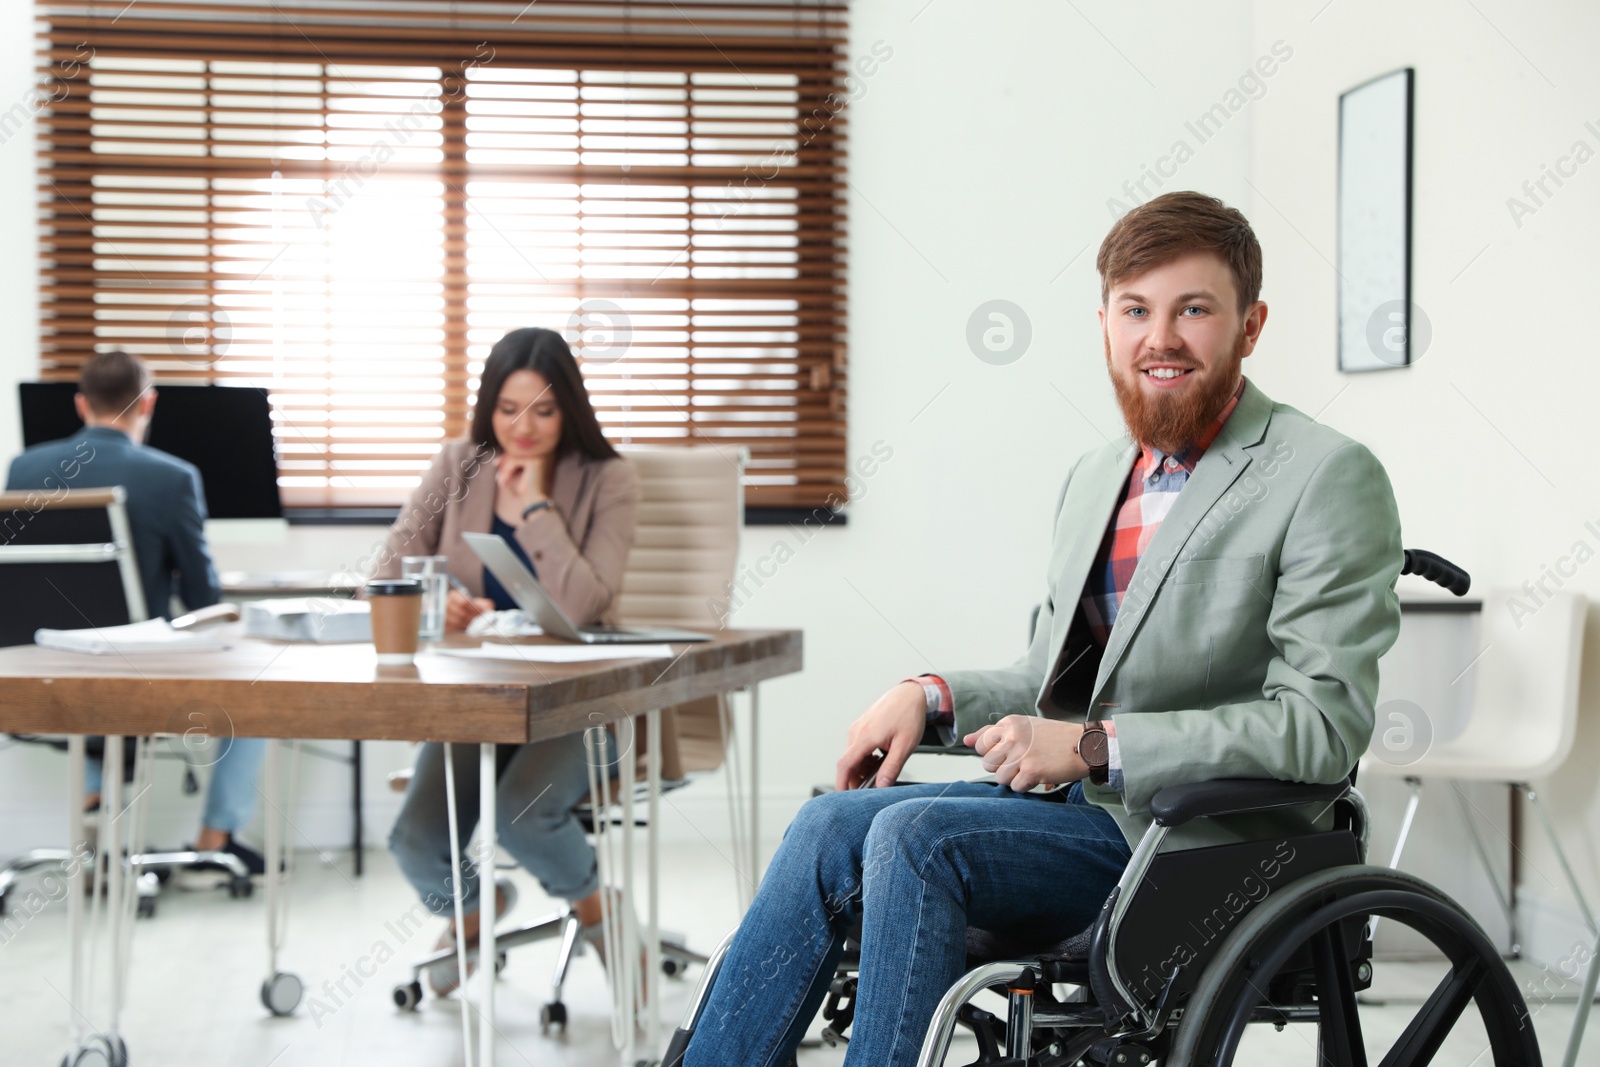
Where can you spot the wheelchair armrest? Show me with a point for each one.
(1177, 804)
(944, 750)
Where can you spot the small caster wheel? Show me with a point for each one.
(119, 1052)
(670, 967)
(499, 963)
(241, 888)
(96, 1051)
(407, 997)
(147, 907)
(551, 1015)
(281, 993)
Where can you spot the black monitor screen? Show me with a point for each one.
(224, 430)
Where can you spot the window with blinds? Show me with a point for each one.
(350, 212)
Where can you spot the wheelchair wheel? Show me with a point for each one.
(1317, 914)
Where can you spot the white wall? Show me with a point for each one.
(984, 153)
(1484, 437)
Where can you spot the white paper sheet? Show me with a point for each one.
(153, 635)
(560, 653)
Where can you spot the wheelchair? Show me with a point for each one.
(1192, 946)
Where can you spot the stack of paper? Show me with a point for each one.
(154, 635)
(321, 619)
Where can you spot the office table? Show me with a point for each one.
(275, 690)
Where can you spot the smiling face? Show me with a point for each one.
(527, 419)
(1182, 321)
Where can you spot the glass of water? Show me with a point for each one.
(434, 574)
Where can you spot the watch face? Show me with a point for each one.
(1093, 748)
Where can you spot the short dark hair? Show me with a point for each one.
(1172, 226)
(112, 381)
(545, 352)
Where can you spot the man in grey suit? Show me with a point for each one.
(1219, 591)
(166, 518)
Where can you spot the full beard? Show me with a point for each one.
(1170, 421)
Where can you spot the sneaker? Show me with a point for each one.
(254, 861)
(210, 875)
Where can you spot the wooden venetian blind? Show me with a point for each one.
(349, 207)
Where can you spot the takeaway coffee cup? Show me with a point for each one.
(396, 616)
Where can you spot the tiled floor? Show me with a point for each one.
(198, 965)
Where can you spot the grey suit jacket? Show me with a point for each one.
(166, 507)
(1247, 644)
(579, 545)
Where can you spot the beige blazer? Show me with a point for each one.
(579, 545)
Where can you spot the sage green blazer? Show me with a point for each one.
(1247, 645)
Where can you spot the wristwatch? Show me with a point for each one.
(1095, 750)
(531, 508)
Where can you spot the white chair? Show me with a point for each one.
(1523, 718)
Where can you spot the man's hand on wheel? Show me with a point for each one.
(892, 726)
(1024, 751)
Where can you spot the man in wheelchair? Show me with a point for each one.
(1220, 589)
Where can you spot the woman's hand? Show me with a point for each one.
(460, 610)
(1025, 750)
(518, 483)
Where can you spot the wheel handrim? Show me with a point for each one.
(1471, 978)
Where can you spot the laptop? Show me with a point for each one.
(532, 598)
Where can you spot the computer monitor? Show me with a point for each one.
(224, 430)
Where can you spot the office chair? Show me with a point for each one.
(1521, 726)
(67, 562)
(685, 549)
(1167, 973)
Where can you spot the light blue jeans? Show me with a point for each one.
(538, 786)
(917, 865)
(231, 796)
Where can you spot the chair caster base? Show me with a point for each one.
(553, 1015)
(281, 993)
(98, 1050)
(408, 995)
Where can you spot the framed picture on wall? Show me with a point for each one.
(1379, 326)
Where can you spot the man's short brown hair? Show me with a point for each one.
(1172, 226)
(111, 382)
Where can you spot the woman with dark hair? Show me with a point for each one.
(537, 471)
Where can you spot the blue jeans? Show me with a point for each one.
(917, 865)
(537, 787)
(231, 796)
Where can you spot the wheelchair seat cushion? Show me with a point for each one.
(1064, 961)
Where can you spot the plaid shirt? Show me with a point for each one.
(1151, 490)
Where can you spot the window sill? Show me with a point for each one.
(753, 516)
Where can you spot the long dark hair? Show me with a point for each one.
(546, 353)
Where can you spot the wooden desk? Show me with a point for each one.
(274, 690)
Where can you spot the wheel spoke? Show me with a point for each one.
(1429, 1027)
(1339, 1041)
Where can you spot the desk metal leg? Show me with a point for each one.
(281, 991)
(652, 967)
(628, 965)
(486, 903)
(455, 893)
(356, 844)
(755, 788)
(79, 844)
(113, 828)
